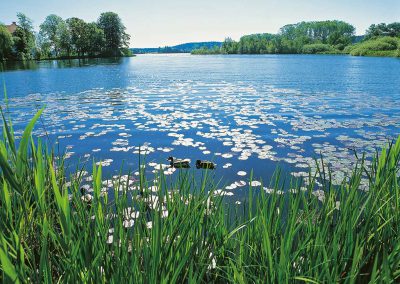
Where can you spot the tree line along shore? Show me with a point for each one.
(319, 37)
(59, 38)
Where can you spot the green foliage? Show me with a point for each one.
(381, 30)
(205, 50)
(79, 33)
(324, 37)
(65, 39)
(51, 31)
(126, 52)
(24, 38)
(317, 48)
(114, 33)
(6, 43)
(185, 233)
(86, 38)
(229, 46)
(384, 46)
(95, 39)
(304, 37)
(332, 32)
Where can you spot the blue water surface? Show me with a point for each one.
(244, 112)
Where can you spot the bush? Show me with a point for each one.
(317, 48)
(385, 46)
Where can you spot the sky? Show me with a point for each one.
(154, 23)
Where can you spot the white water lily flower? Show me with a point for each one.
(320, 194)
(241, 173)
(227, 155)
(240, 183)
(255, 183)
(230, 187)
(128, 223)
(153, 188)
(222, 192)
(110, 239)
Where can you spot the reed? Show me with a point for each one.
(184, 232)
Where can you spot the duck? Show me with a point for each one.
(179, 163)
(205, 165)
(86, 198)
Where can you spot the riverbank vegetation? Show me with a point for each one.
(134, 229)
(58, 38)
(324, 37)
(380, 46)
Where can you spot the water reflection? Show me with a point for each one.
(65, 63)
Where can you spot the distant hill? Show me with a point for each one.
(180, 48)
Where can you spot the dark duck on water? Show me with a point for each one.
(205, 165)
(179, 163)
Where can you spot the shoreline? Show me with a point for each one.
(68, 58)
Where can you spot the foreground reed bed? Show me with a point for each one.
(159, 231)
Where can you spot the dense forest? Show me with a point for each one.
(58, 38)
(323, 37)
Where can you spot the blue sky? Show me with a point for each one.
(154, 23)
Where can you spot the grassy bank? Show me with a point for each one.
(156, 231)
(383, 46)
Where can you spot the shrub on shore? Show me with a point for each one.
(319, 48)
(384, 46)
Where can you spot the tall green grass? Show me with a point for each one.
(186, 233)
(382, 46)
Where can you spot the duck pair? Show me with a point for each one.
(185, 163)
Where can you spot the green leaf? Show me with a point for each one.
(9, 174)
(8, 267)
(22, 155)
(8, 133)
(305, 279)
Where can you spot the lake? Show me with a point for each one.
(245, 113)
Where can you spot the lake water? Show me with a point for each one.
(242, 112)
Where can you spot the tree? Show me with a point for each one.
(86, 38)
(25, 23)
(394, 29)
(51, 34)
(24, 38)
(114, 33)
(382, 29)
(79, 33)
(43, 47)
(95, 39)
(6, 42)
(63, 39)
(229, 46)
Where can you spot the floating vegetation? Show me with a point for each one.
(252, 126)
(60, 227)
